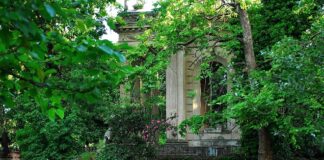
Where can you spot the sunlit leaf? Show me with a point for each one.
(51, 114)
(60, 112)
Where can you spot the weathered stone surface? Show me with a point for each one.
(182, 149)
(171, 94)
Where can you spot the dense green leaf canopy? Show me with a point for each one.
(60, 83)
(50, 51)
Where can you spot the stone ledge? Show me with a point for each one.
(183, 150)
(218, 143)
(213, 136)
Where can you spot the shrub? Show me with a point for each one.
(134, 134)
(126, 125)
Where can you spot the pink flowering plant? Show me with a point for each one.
(157, 127)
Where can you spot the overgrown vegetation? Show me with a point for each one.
(127, 126)
(60, 84)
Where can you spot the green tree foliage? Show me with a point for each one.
(287, 97)
(275, 19)
(60, 139)
(55, 74)
(51, 50)
(44, 139)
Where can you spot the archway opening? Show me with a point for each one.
(213, 84)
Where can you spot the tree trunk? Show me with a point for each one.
(5, 141)
(265, 150)
(247, 39)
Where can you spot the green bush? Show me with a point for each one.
(127, 142)
(41, 138)
(44, 139)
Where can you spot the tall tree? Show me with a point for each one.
(265, 149)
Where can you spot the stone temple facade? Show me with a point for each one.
(181, 80)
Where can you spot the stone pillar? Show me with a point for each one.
(143, 96)
(196, 105)
(171, 93)
(181, 88)
(155, 107)
(175, 92)
(124, 95)
(231, 124)
(136, 91)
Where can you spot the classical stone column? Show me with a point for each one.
(155, 107)
(231, 124)
(181, 88)
(124, 94)
(196, 105)
(171, 94)
(175, 92)
(136, 91)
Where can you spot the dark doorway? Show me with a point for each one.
(213, 84)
